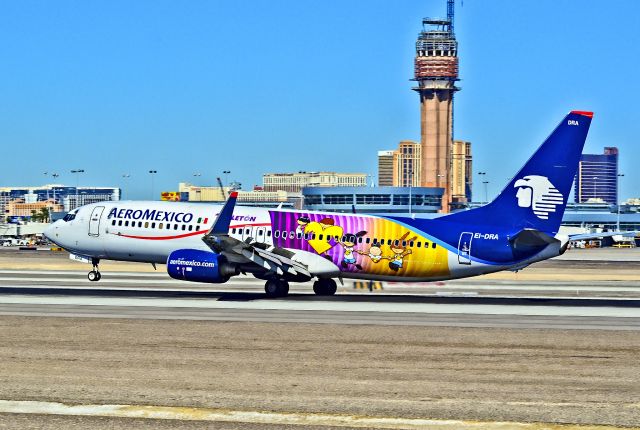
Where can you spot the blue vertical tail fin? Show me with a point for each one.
(537, 195)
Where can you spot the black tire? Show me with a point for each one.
(331, 287)
(284, 288)
(92, 276)
(272, 288)
(325, 287)
(98, 276)
(319, 288)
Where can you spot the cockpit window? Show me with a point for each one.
(70, 216)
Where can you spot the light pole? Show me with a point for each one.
(152, 173)
(226, 176)
(620, 175)
(410, 172)
(55, 177)
(45, 175)
(125, 176)
(482, 176)
(77, 173)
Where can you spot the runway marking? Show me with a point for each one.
(288, 305)
(264, 417)
(413, 289)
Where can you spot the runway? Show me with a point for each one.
(473, 353)
(155, 296)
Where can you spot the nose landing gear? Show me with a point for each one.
(94, 275)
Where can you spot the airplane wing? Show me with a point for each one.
(272, 260)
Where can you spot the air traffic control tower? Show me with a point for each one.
(436, 73)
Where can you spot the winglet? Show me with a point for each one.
(221, 225)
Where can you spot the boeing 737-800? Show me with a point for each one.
(212, 243)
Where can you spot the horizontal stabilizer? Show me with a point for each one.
(590, 236)
(528, 239)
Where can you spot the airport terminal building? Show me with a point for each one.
(373, 200)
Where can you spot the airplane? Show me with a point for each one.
(212, 243)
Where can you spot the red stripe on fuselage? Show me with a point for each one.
(180, 236)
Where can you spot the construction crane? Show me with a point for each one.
(450, 5)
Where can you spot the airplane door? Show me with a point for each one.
(94, 221)
(464, 248)
(261, 233)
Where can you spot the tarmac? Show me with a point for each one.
(138, 350)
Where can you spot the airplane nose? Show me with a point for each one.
(50, 231)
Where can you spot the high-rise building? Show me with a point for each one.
(436, 72)
(385, 168)
(597, 177)
(295, 182)
(461, 172)
(407, 164)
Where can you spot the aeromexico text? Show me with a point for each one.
(150, 215)
(165, 216)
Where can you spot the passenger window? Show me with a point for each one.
(360, 239)
(153, 225)
(233, 231)
(139, 224)
(283, 234)
(292, 235)
(320, 237)
(396, 242)
(120, 223)
(419, 244)
(368, 240)
(276, 234)
(388, 241)
(126, 223)
(113, 222)
(260, 232)
(247, 230)
(190, 227)
(184, 227)
(175, 226)
(433, 245)
(168, 226)
(404, 243)
(268, 233)
(299, 235)
(161, 225)
(411, 244)
(146, 224)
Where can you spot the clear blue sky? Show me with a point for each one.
(117, 87)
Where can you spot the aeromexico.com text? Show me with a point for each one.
(150, 215)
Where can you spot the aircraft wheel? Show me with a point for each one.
(93, 276)
(276, 288)
(98, 276)
(325, 287)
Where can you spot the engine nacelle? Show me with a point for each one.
(199, 266)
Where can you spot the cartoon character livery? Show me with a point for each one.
(516, 229)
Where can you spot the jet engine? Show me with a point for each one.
(199, 266)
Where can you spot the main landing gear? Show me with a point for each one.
(325, 287)
(276, 288)
(94, 275)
